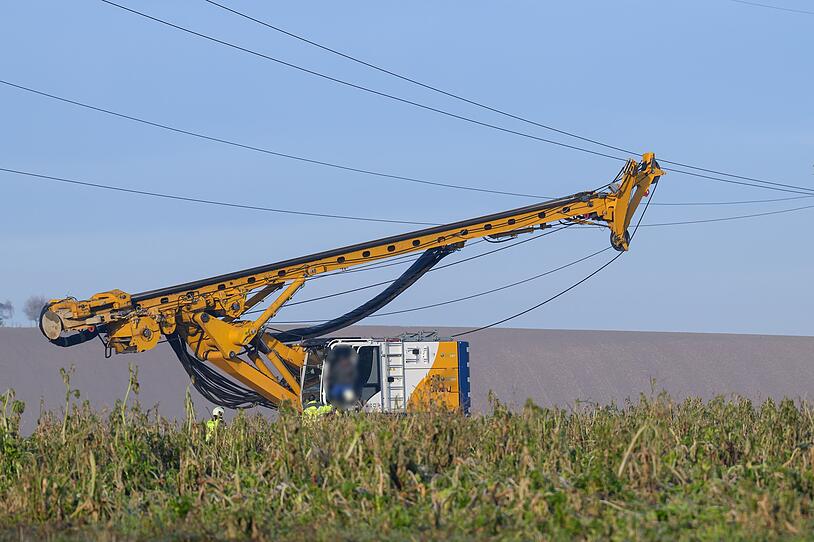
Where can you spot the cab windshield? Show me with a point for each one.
(341, 362)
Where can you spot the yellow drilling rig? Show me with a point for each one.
(202, 320)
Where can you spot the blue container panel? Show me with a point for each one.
(464, 385)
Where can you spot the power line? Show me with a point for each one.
(779, 8)
(714, 219)
(208, 201)
(727, 218)
(715, 203)
(484, 106)
(343, 217)
(368, 219)
(538, 305)
(77, 182)
(362, 87)
(805, 191)
(419, 83)
(753, 179)
(313, 161)
(260, 149)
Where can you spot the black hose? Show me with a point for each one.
(215, 387)
(423, 264)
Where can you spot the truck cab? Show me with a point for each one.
(408, 373)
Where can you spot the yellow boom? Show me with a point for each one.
(206, 314)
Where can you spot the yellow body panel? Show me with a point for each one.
(439, 387)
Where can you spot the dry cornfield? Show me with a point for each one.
(648, 469)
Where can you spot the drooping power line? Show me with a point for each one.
(87, 184)
(488, 107)
(362, 87)
(419, 83)
(314, 161)
(255, 148)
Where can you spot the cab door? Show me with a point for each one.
(370, 378)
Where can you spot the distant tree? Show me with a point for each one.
(6, 312)
(33, 306)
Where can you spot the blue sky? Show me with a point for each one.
(718, 84)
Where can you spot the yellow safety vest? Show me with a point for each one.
(314, 411)
(211, 428)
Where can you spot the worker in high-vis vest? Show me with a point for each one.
(313, 409)
(213, 423)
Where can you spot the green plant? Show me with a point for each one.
(66, 380)
(650, 469)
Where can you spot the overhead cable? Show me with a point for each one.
(774, 186)
(77, 182)
(362, 87)
(419, 83)
(209, 201)
(353, 169)
(716, 203)
(272, 152)
(778, 8)
(487, 107)
(727, 218)
(794, 188)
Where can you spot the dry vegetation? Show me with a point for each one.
(653, 469)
